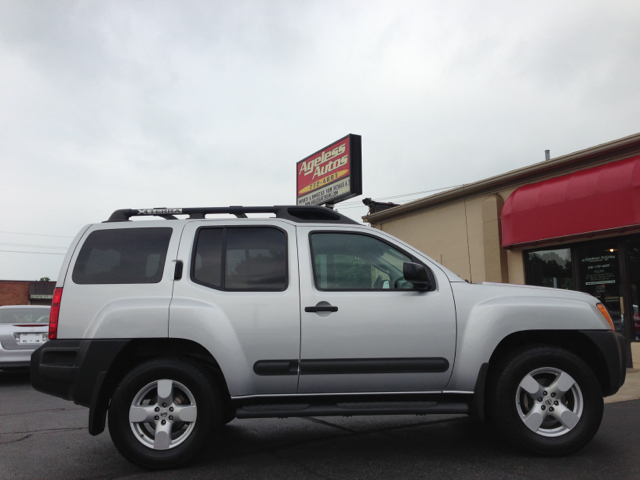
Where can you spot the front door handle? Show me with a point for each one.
(321, 307)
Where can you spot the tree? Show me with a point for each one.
(44, 279)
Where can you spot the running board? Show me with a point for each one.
(350, 409)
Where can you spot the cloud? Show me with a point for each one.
(109, 105)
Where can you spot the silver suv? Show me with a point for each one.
(177, 326)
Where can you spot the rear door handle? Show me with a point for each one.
(177, 273)
(321, 308)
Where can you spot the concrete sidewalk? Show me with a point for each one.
(631, 388)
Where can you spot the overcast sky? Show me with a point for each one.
(132, 104)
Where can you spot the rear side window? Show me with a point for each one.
(241, 259)
(120, 256)
(208, 258)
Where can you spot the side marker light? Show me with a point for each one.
(605, 314)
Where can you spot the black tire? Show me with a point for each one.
(180, 441)
(512, 406)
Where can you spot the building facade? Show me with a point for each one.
(570, 222)
(18, 292)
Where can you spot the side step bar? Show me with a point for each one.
(350, 409)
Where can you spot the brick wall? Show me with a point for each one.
(14, 293)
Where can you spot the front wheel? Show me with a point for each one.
(546, 400)
(163, 412)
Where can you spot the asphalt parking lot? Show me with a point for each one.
(45, 437)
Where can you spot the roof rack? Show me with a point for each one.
(295, 213)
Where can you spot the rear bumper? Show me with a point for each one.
(18, 358)
(73, 369)
(612, 348)
(5, 365)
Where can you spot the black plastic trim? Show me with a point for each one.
(334, 398)
(351, 409)
(98, 408)
(351, 366)
(14, 365)
(477, 405)
(321, 308)
(177, 274)
(613, 349)
(417, 274)
(347, 366)
(390, 403)
(294, 213)
(275, 367)
(70, 369)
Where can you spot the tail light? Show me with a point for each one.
(55, 312)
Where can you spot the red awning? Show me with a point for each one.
(591, 200)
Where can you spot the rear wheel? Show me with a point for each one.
(546, 400)
(163, 412)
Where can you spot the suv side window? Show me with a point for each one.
(350, 261)
(207, 268)
(241, 259)
(122, 256)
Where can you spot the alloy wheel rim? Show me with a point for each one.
(163, 414)
(549, 402)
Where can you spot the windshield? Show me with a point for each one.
(24, 315)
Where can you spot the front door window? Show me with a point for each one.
(345, 261)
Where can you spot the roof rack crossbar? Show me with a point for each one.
(295, 213)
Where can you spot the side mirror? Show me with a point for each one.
(417, 275)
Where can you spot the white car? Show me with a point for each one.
(176, 326)
(23, 328)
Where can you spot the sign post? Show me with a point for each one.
(332, 174)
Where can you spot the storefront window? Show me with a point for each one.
(633, 249)
(550, 268)
(599, 270)
(608, 269)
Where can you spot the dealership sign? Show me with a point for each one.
(332, 174)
